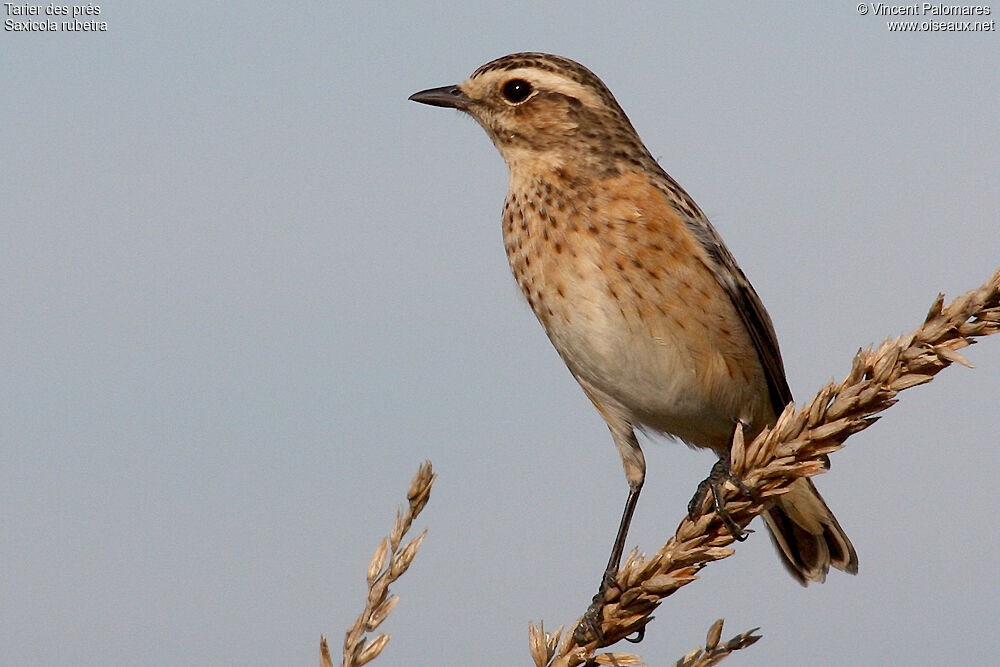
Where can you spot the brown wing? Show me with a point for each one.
(750, 309)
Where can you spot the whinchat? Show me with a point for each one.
(634, 287)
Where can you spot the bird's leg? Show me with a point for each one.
(590, 625)
(721, 473)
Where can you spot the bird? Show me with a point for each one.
(636, 290)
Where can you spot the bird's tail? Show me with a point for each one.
(807, 535)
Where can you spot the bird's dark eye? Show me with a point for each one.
(516, 91)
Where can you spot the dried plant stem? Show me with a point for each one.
(387, 565)
(713, 652)
(796, 446)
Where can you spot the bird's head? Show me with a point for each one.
(538, 107)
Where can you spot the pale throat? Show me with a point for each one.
(525, 166)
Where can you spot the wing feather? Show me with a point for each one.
(750, 308)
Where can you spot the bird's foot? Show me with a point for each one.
(721, 473)
(589, 627)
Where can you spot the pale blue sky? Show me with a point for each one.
(247, 287)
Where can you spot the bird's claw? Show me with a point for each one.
(589, 627)
(721, 473)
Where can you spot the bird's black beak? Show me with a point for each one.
(445, 96)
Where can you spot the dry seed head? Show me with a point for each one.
(688, 658)
(398, 529)
(378, 561)
(370, 652)
(623, 659)
(907, 381)
(379, 604)
(887, 357)
(542, 644)
(537, 645)
(377, 592)
(748, 638)
(381, 613)
(737, 454)
(954, 357)
(714, 635)
(936, 309)
(420, 488)
(324, 653)
(402, 561)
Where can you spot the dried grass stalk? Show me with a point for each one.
(713, 653)
(796, 446)
(387, 565)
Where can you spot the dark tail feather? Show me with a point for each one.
(807, 535)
